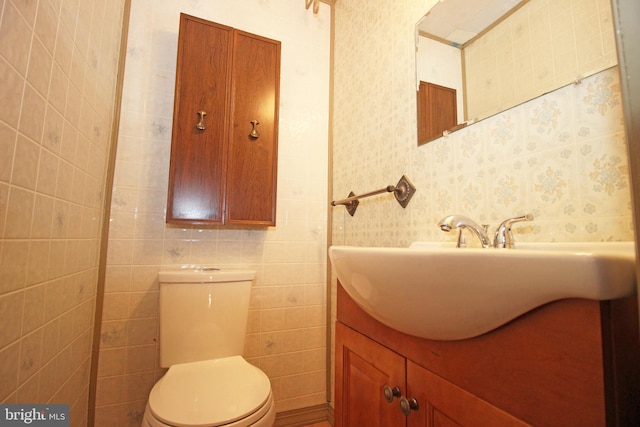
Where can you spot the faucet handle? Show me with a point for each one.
(504, 236)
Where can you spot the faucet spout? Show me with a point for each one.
(452, 222)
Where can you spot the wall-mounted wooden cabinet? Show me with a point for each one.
(225, 127)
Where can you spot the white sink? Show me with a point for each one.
(437, 291)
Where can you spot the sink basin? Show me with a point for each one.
(439, 292)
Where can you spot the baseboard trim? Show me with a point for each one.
(305, 416)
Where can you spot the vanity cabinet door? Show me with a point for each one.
(443, 404)
(223, 166)
(363, 369)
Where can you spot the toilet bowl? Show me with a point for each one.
(227, 391)
(203, 316)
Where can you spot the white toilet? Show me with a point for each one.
(203, 320)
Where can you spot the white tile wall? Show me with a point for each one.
(287, 321)
(58, 67)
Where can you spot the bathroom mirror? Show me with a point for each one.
(491, 55)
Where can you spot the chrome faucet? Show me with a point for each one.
(503, 237)
(462, 222)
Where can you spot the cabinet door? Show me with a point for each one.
(363, 368)
(198, 156)
(437, 111)
(251, 179)
(443, 404)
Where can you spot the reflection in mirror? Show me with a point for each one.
(486, 56)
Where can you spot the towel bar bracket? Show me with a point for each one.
(403, 192)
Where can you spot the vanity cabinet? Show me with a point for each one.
(367, 367)
(225, 127)
(568, 363)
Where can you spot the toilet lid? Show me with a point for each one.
(209, 393)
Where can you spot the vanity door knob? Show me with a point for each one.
(408, 405)
(390, 393)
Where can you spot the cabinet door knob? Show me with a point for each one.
(408, 405)
(254, 130)
(201, 124)
(390, 393)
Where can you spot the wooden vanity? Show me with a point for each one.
(572, 362)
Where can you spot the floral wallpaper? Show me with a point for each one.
(561, 157)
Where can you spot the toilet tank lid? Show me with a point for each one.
(201, 274)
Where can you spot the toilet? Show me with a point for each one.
(203, 321)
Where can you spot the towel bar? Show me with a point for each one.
(403, 191)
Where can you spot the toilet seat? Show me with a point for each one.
(227, 391)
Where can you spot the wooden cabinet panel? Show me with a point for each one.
(251, 195)
(443, 404)
(203, 75)
(219, 173)
(363, 368)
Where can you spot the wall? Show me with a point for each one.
(542, 46)
(58, 64)
(286, 336)
(561, 157)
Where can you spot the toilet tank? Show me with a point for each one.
(203, 313)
